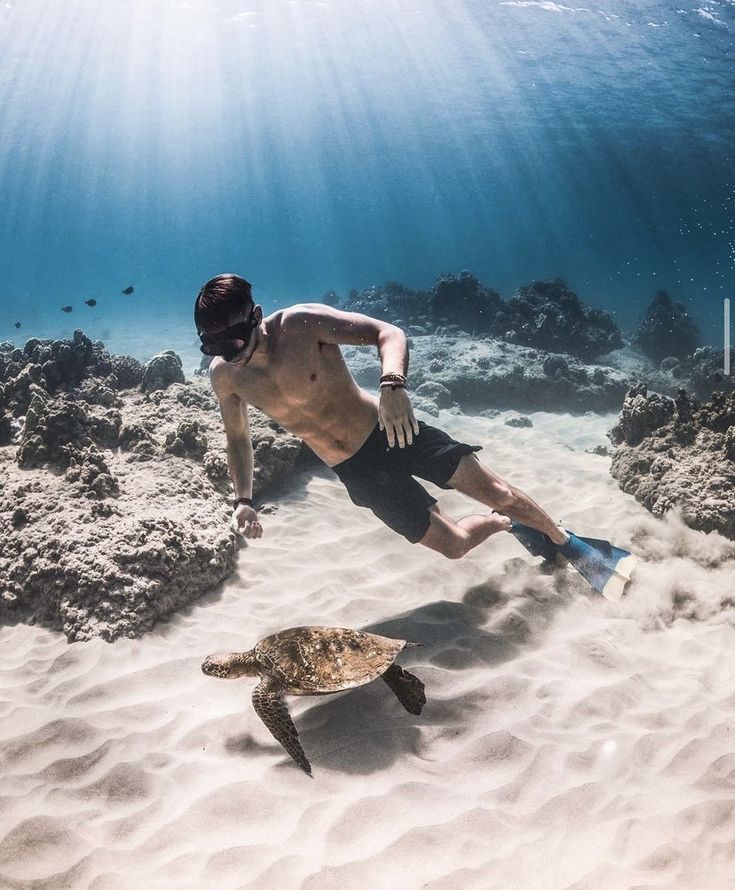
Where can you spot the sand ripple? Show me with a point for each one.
(568, 742)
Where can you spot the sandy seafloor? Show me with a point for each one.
(567, 742)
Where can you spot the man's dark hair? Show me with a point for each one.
(220, 299)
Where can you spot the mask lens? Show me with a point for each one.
(229, 342)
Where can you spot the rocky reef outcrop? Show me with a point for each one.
(679, 454)
(462, 301)
(161, 371)
(666, 330)
(393, 302)
(476, 374)
(545, 314)
(702, 372)
(114, 504)
(548, 315)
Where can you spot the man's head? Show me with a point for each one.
(222, 301)
(226, 316)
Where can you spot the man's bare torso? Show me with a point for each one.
(303, 384)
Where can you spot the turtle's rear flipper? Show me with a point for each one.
(409, 690)
(271, 708)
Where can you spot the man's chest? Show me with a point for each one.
(293, 382)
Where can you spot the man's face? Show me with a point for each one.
(233, 340)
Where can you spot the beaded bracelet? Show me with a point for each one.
(394, 377)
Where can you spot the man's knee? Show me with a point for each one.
(456, 550)
(473, 477)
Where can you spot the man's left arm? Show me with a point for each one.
(395, 413)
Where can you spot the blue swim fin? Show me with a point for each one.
(536, 542)
(605, 567)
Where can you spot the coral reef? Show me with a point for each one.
(679, 454)
(666, 330)
(188, 440)
(161, 371)
(394, 303)
(461, 300)
(114, 505)
(520, 421)
(545, 314)
(478, 374)
(703, 372)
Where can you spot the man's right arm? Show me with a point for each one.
(239, 454)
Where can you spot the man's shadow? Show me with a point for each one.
(365, 730)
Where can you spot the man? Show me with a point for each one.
(290, 366)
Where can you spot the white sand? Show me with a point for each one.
(568, 742)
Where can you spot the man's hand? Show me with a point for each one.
(395, 416)
(245, 522)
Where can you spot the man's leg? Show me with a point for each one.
(454, 539)
(477, 481)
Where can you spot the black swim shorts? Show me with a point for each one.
(381, 478)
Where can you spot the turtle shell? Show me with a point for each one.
(314, 660)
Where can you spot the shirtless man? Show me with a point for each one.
(290, 366)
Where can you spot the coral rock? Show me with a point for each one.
(161, 371)
(666, 330)
(188, 440)
(462, 301)
(679, 454)
(104, 542)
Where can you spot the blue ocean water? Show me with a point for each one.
(344, 143)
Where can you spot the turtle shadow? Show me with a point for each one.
(365, 730)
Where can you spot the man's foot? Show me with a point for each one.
(497, 522)
(485, 524)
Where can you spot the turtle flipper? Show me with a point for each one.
(409, 690)
(271, 708)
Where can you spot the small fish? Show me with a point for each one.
(67, 308)
(90, 302)
(128, 290)
(17, 324)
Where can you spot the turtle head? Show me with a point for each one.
(231, 665)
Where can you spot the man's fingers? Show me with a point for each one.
(251, 530)
(402, 433)
(415, 424)
(256, 529)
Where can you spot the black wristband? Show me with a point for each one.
(247, 501)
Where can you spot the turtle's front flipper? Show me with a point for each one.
(271, 708)
(409, 690)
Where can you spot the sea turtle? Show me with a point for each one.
(315, 661)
